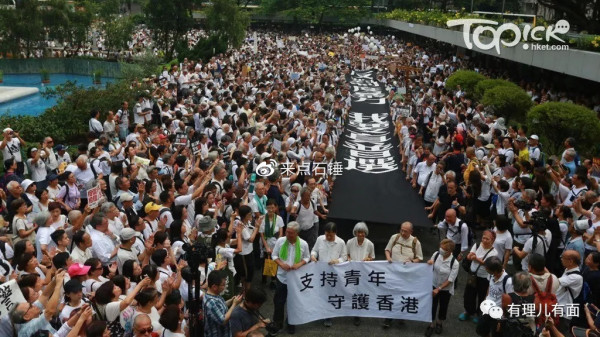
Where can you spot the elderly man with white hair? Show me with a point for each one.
(84, 175)
(290, 253)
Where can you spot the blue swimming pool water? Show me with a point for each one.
(36, 104)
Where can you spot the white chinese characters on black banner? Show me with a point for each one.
(369, 134)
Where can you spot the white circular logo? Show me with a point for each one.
(265, 169)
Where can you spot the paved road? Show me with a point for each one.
(372, 326)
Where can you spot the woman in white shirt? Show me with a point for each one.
(476, 293)
(445, 270)
(73, 298)
(171, 319)
(244, 260)
(53, 187)
(359, 247)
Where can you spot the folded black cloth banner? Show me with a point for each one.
(372, 187)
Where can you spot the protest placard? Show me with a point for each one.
(94, 196)
(10, 295)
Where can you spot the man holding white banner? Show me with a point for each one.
(290, 253)
(330, 249)
(363, 289)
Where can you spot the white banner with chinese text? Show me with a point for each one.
(363, 289)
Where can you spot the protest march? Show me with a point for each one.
(245, 196)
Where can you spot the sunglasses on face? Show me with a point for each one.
(145, 331)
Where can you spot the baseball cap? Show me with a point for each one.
(73, 286)
(52, 176)
(582, 225)
(77, 269)
(60, 147)
(264, 156)
(7, 130)
(151, 207)
(490, 146)
(534, 137)
(127, 234)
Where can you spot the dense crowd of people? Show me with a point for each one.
(178, 168)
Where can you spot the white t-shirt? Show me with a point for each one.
(543, 244)
(12, 149)
(481, 252)
(278, 225)
(67, 309)
(360, 252)
(42, 237)
(38, 170)
(503, 242)
(247, 246)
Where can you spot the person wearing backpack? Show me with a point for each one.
(445, 270)
(540, 275)
(499, 284)
(570, 286)
(515, 323)
(458, 232)
(478, 280)
(539, 243)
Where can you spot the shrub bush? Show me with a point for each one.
(484, 85)
(467, 79)
(510, 102)
(67, 122)
(553, 122)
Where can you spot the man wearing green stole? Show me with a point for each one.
(290, 253)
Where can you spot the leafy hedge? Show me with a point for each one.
(553, 122)
(467, 79)
(484, 85)
(510, 102)
(67, 122)
(430, 18)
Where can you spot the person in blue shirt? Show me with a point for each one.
(30, 318)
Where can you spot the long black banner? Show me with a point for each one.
(372, 187)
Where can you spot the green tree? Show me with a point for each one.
(466, 79)
(169, 20)
(553, 122)
(315, 11)
(22, 25)
(487, 84)
(118, 32)
(510, 102)
(225, 20)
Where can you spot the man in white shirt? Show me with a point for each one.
(422, 171)
(84, 175)
(285, 257)
(457, 231)
(571, 284)
(11, 148)
(82, 247)
(103, 246)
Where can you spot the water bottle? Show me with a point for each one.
(252, 181)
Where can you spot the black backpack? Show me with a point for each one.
(213, 137)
